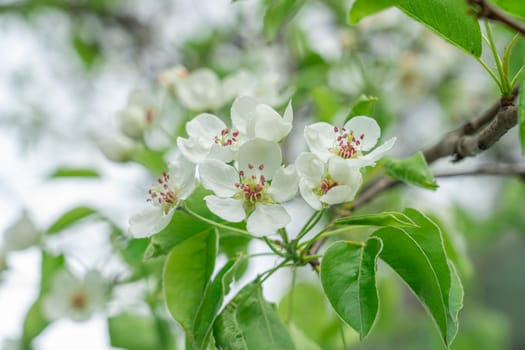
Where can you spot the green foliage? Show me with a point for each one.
(70, 218)
(326, 103)
(151, 160)
(514, 7)
(521, 114)
(87, 50)
(413, 170)
(348, 279)
(364, 105)
(123, 332)
(186, 277)
(448, 18)
(278, 12)
(74, 172)
(392, 219)
(250, 322)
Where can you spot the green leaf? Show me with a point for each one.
(51, 264)
(413, 170)
(186, 276)
(389, 218)
(251, 323)
(70, 218)
(277, 14)
(326, 103)
(211, 303)
(455, 301)
(348, 278)
(450, 19)
(34, 323)
(74, 172)
(151, 160)
(142, 336)
(362, 106)
(514, 7)
(365, 8)
(521, 114)
(88, 50)
(408, 259)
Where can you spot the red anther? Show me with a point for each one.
(258, 187)
(237, 184)
(235, 133)
(263, 179)
(250, 166)
(241, 173)
(254, 177)
(165, 186)
(160, 181)
(362, 136)
(164, 174)
(353, 139)
(261, 166)
(336, 129)
(149, 115)
(358, 142)
(344, 129)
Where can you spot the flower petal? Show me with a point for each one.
(366, 126)
(306, 189)
(218, 177)
(242, 111)
(339, 194)
(284, 184)
(148, 222)
(256, 152)
(377, 153)
(223, 153)
(267, 124)
(200, 90)
(310, 167)
(266, 219)
(288, 113)
(320, 137)
(342, 171)
(193, 149)
(226, 208)
(205, 126)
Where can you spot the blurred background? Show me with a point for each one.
(67, 69)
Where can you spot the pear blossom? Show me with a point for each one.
(74, 298)
(210, 138)
(164, 197)
(199, 90)
(353, 142)
(169, 78)
(264, 88)
(21, 235)
(139, 114)
(259, 120)
(323, 184)
(117, 147)
(252, 191)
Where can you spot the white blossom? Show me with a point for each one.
(322, 184)
(252, 191)
(264, 88)
(353, 142)
(200, 90)
(170, 77)
(74, 298)
(21, 235)
(117, 147)
(139, 114)
(164, 197)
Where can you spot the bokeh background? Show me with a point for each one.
(67, 68)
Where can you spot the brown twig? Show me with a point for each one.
(485, 10)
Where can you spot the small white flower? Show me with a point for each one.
(117, 147)
(252, 191)
(201, 90)
(74, 298)
(169, 78)
(358, 136)
(324, 184)
(21, 235)
(209, 138)
(264, 89)
(258, 120)
(139, 114)
(164, 197)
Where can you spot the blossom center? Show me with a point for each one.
(325, 185)
(253, 188)
(347, 144)
(150, 115)
(162, 194)
(78, 300)
(226, 137)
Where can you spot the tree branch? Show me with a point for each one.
(498, 169)
(486, 10)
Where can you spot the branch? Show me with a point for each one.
(486, 10)
(500, 169)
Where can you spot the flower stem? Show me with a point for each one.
(238, 231)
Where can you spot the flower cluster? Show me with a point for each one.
(242, 165)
